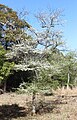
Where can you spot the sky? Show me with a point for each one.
(69, 8)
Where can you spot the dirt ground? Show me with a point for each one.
(60, 106)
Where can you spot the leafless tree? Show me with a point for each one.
(49, 36)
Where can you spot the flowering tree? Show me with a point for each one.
(28, 56)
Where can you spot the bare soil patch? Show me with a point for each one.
(61, 106)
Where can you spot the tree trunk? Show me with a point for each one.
(68, 80)
(33, 104)
(6, 45)
(4, 89)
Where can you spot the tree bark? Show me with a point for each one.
(6, 45)
(68, 80)
(4, 89)
(33, 104)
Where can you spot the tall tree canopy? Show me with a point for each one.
(11, 27)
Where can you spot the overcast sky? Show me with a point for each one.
(69, 14)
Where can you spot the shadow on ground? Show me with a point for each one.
(14, 111)
(7, 112)
(49, 106)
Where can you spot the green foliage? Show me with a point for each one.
(69, 66)
(42, 82)
(6, 69)
(11, 26)
(27, 88)
(45, 81)
(2, 56)
(51, 65)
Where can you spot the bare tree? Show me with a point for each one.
(49, 36)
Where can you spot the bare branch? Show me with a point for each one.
(49, 19)
(23, 13)
(49, 36)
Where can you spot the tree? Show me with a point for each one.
(2, 58)
(69, 68)
(11, 27)
(27, 56)
(5, 67)
(5, 72)
(49, 36)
